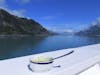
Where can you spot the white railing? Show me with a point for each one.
(74, 64)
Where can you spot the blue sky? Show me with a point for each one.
(57, 15)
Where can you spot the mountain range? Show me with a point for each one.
(14, 25)
(93, 30)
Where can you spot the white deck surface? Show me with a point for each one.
(95, 70)
(81, 59)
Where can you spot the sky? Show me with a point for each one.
(56, 15)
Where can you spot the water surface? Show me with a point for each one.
(16, 47)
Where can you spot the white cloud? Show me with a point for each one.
(3, 4)
(94, 23)
(28, 1)
(63, 30)
(59, 28)
(48, 17)
(52, 17)
(98, 21)
(59, 14)
(23, 1)
(19, 13)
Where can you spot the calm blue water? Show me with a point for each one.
(15, 47)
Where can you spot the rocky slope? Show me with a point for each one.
(14, 25)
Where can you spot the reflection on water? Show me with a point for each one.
(12, 47)
(15, 47)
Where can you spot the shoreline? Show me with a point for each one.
(24, 35)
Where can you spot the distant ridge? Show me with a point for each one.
(14, 25)
(93, 30)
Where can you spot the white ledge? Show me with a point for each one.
(80, 60)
